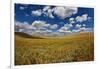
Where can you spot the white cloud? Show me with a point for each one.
(61, 12)
(64, 12)
(63, 29)
(84, 29)
(48, 30)
(68, 25)
(79, 19)
(24, 27)
(48, 11)
(19, 25)
(21, 30)
(37, 28)
(66, 28)
(82, 18)
(43, 25)
(89, 29)
(84, 25)
(40, 24)
(22, 8)
(37, 12)
(72, 20)
(46, 8)
(53, 26)
(79, 29)
(85, 17)
(78, 26)
(75, 30)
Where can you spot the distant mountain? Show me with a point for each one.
(25, 35)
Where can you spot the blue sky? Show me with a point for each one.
(54, 18)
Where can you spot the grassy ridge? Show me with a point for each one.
(77, 47)
(24, 35)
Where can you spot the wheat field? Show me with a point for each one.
(70, 48)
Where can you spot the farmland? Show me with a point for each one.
(42, 50)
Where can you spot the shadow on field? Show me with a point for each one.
(24, 35)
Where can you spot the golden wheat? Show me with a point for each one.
(77, 47)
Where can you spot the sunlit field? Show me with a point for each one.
(42, 50)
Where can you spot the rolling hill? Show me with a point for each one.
(25, 35)
(70, 48)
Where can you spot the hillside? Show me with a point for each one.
(70, 48)
(25, 35)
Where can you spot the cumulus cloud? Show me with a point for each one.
(89, 29)
(75, 30)
(53, 26)
(36, 27)
(50, 13)
(43, 25)
(72, 20)
(66, 28)
(60, 11)
(84, 29)
(47, 11)
(82, 18)
(68, 25)
(64, 12)
(63, 29)
(41, 28)
(78, 26)
(40, 24)
(85, 17)
(79, 19)
(24, 27)
(46, 8)
(37, 12)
